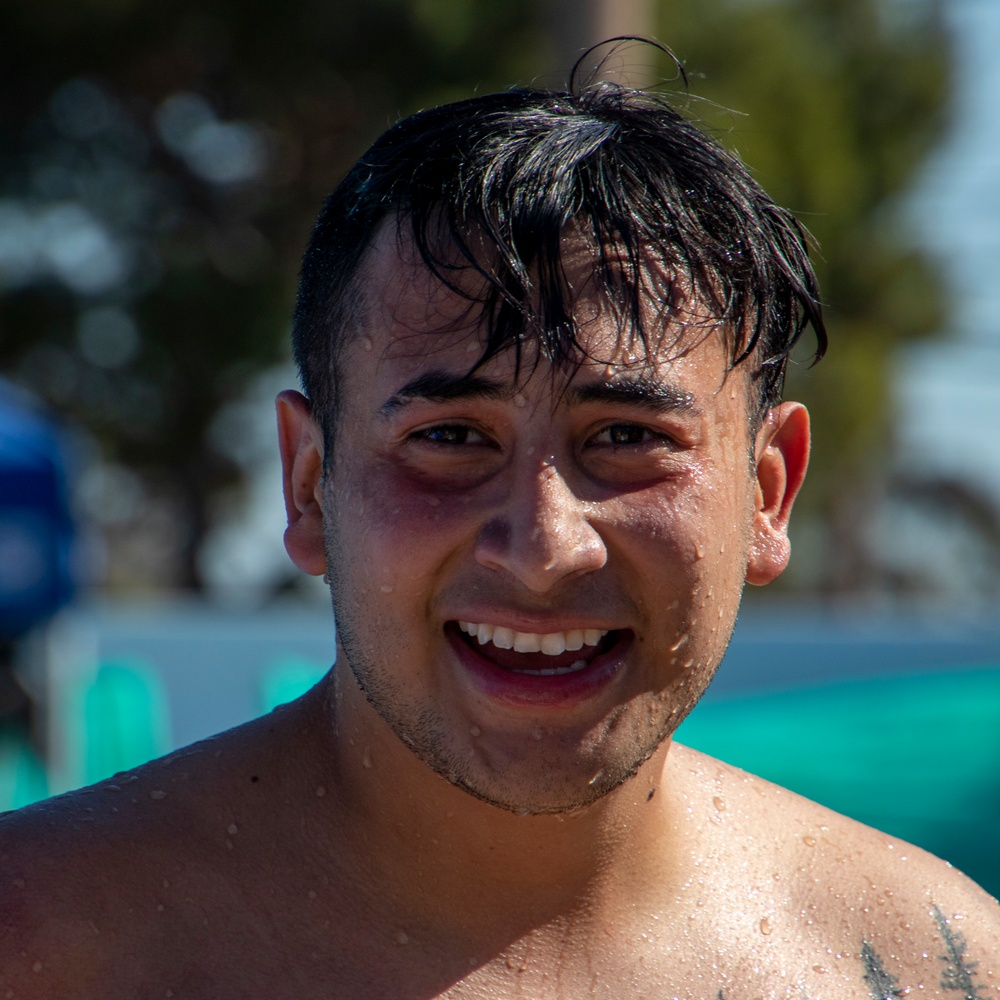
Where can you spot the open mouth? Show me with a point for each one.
(548, 654)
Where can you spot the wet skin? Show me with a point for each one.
(333, 848)
(619, 497)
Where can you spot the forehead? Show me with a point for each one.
(409, 313)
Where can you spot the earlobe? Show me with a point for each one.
(782, 451)
(300, 441)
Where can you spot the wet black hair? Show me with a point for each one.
(493, 182)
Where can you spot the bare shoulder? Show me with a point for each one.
(871, 906)
(95, 884)
(81, 876)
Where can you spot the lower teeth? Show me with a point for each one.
(575, 666)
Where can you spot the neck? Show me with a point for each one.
(422, 842)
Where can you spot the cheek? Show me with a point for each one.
(397, 529)
(695, 518)
(689, 543)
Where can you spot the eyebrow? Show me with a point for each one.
(637, 389)
(439, 386)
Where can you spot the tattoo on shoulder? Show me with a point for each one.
(881, 984)
(958, 972)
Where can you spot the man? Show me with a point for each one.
(542, 448)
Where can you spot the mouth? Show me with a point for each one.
(539, 666)
(544, 654)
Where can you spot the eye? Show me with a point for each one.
(627, 435)
(449, 434)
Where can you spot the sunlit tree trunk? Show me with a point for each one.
(575, 25)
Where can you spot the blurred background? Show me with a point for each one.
(160, 169)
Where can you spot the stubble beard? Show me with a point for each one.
(527, 785)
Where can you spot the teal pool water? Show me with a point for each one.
(915, 755)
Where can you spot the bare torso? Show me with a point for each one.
(218, 873)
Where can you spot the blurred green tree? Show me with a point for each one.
(835, 104)
(161, 165)
(160, 169)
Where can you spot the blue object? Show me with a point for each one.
(36, 529)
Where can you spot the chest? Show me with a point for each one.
(348, 960)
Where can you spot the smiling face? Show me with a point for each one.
(535, 574)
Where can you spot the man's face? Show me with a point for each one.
(534, 577)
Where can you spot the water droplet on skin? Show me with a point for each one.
(160, 907)
(366, 758)
(765, 926)
(37, 967)
(402, 937)
(232, 829)
(699, 552)
(596, 778)
(809, 841)
(157, 794)
(719, 804)
(520, 400)
(530, 450)
(475, 731)
(320, 791)
(680, 642)
(822, 970)
(367, 341)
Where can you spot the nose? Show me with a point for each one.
(542, 535)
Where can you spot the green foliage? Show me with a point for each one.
(160, 169)
(196, 140)
(834, 104)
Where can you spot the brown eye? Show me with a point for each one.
(449, 434)
(621, 435)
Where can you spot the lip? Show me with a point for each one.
(539, 691)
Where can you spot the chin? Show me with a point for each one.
(540, 772)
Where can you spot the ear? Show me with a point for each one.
(301, 443)
(782, 450)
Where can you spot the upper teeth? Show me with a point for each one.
(552, 643)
